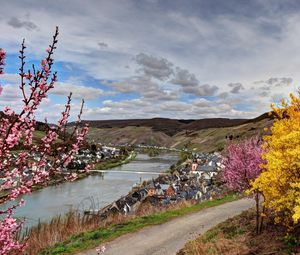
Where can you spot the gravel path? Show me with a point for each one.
(170, 237)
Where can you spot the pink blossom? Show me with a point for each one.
(242, 164)
(2, 59)
(28, 76)
(44, 61)
(18, 129)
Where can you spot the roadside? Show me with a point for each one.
(94, 238)
(169, 238)
(237, 236)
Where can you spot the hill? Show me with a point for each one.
(168, 126)
(129, 135)
(213, 139)
(203, 134)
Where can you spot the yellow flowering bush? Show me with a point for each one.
(280, 180)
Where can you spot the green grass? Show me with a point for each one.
(94, 238)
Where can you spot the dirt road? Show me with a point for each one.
(170, 237)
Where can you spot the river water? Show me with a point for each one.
(94, 191)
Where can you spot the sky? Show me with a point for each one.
(179, 59)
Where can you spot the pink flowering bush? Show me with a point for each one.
(242, 163)
(19, 173)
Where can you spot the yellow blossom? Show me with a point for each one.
(280, 180)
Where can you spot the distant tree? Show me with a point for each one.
(93, 149)
(280, 182)
(16, 171)
(185, 155)
(242, 162)
(125, 150)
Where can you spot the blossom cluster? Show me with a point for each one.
(2, 59)
(19, 174)
(2, 62)
(242, 164)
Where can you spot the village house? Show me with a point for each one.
(170, 192)
(151, 191)
(159, 190)
(194, 166)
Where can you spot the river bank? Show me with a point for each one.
(112, 164)
(94, 191)
(104, 165)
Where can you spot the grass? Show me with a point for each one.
(91, 239)
(236, 236)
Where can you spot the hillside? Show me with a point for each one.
(168, 126)
(205, 134)
(129, 135)
(212, 139)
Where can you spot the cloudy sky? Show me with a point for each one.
(171, 58)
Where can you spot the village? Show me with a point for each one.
(196, 180)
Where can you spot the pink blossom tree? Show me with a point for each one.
(17, 176)
(242, 162)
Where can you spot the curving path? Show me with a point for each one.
(170, 237)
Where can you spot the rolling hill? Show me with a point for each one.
(167, 126)
(203, 134)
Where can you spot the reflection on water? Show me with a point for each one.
(94, 190)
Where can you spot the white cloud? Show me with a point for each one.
(81, 92)
(159, 68)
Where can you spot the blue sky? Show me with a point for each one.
(172, 58)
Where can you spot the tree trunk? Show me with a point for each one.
(263, 216)
(257, 212)
(262, 219)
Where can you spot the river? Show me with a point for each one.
(94, 191)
